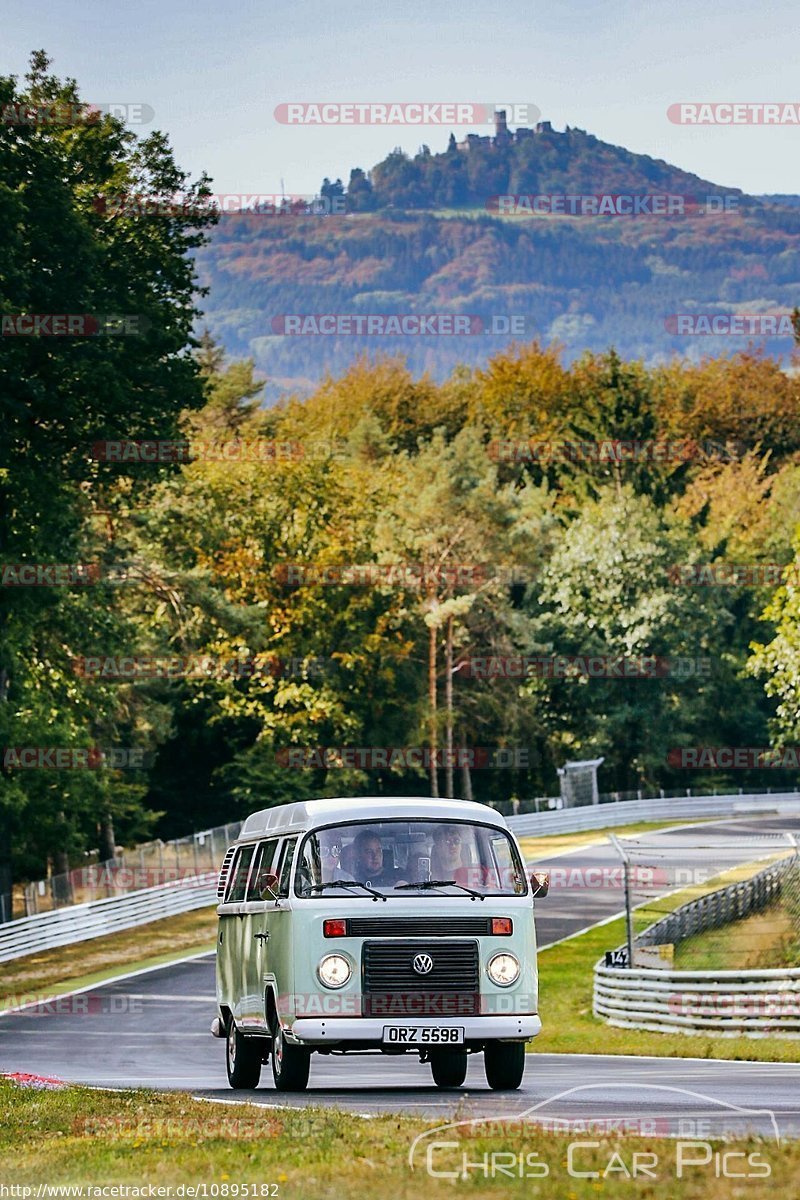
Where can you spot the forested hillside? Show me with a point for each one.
(418, 237)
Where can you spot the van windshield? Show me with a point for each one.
(393, 856)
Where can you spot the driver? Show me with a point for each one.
(368, 865)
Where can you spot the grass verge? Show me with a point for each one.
(765, 940)
(65, 967)
(82, 1136)
(566, 975)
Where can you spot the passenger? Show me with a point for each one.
(447, 859)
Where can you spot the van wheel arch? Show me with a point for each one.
(270, 1008)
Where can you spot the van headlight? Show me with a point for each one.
(503, 968)
(334, 970)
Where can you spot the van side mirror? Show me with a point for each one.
(540, 882)
(268, 885)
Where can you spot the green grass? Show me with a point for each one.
(765, 940)
(566, 974)
(90, 1137)
(50, 972)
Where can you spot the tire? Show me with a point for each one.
(242, 1059)
(449, 1068)
(504, 1063)
(290, 1064)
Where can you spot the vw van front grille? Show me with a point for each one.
(393, 986)
(419, 926)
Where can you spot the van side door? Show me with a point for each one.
(277, 919)
(230, 942)
(256, 934)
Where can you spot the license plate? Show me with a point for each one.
(423, 1035)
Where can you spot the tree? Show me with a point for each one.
(606, 592)
(67, 252)
(359, 192)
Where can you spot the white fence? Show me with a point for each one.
(718, 1003)
(79, 922)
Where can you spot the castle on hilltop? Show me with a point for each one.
(502, 134)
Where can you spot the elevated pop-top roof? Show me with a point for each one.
(307, 814)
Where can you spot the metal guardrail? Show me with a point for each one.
(731, 903)
(80, 922)
(721, 1003)
(602, 816)
(753, 1003)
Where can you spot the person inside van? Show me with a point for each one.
(447, 861)
(368, 860)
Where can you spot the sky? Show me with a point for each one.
(214, 74)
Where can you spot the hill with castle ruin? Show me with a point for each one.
(427, 234)
(540, 161)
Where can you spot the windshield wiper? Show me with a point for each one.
(437, 883)
(348, 883)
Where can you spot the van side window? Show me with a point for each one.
(241, 868)
(286, 865)
(265, 855)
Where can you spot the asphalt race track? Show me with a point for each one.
(151, 1030)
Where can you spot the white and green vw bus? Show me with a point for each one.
(387, 925)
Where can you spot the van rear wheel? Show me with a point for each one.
(242, 1059)
(290, 1064)
(449, 1067)
(504, 1063)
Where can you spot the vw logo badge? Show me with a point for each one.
(422, 964)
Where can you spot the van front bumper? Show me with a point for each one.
(321, 1030)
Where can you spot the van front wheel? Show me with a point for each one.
(449, 1068)
(504, 1063)
(242, 1059)
(290, 1064)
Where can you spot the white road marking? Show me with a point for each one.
(92, 987)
